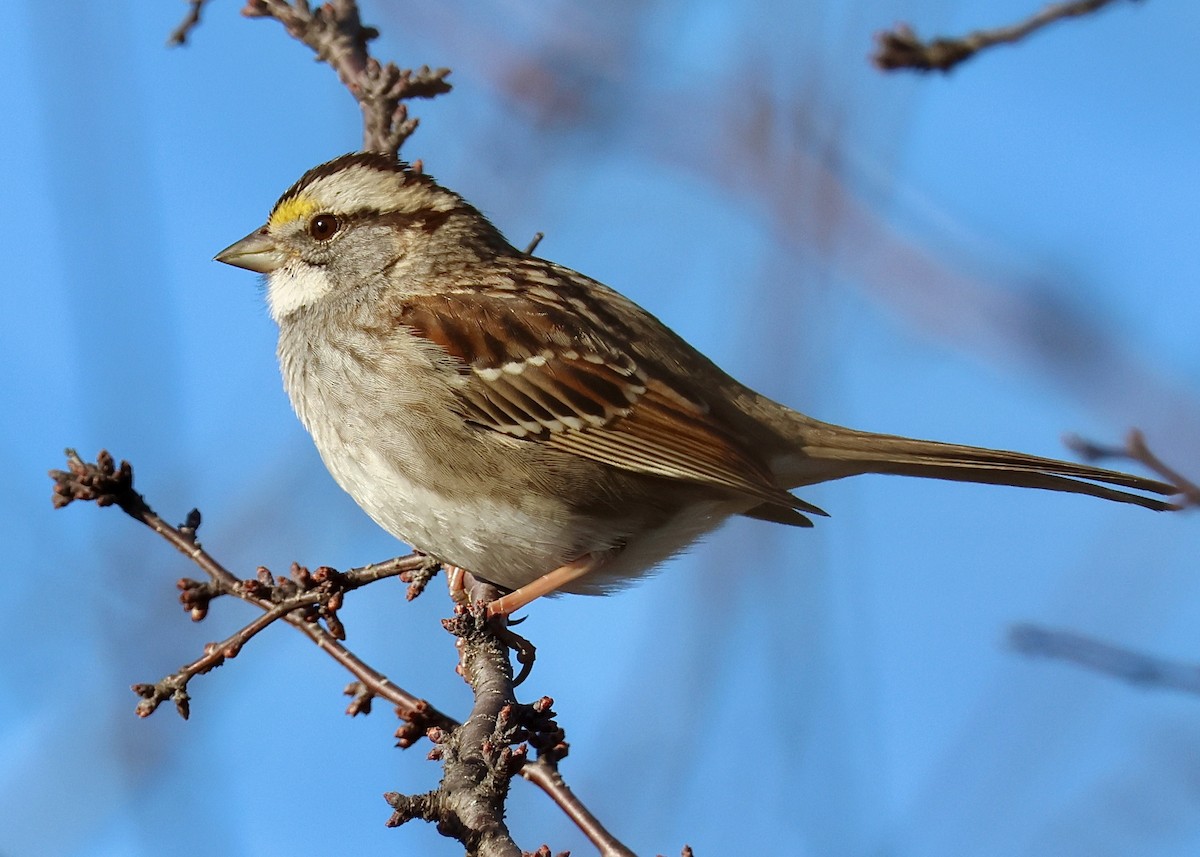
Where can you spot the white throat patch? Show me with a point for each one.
(294, 286)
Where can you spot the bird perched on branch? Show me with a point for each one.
(521, 421)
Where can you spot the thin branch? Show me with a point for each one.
(179, 35)
(107, 484)
(418, 579)
(1134, 667)
(293, 600)
(1088, 652)
(902, 48)
(545, 776)
(174, 686)
(311, 597)
(337, 35)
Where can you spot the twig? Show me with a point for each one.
(545, 776)
(311, 597)
(337, 35)
(174, 686)
(1093, 654)
(901, 47)
(179, 35)
(109, 484)
(417, 579)
(1136, 449)
(1133, 667)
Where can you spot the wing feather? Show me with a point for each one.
(547, 371)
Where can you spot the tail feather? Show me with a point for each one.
(850, 452)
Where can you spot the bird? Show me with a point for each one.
(519, 420)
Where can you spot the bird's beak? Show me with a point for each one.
(256, 252)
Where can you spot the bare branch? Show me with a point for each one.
(1096, 655)
(419, 578)
(174, 686)
(179, 35)
(312, 597)
(107, 485)
(481, 757)
(901, 47)
(544, 774)
(337, 35)
(300, 600)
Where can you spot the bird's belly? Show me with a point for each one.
(514, 538)
(503, 509)
(508, 543)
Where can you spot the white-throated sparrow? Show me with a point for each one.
(519, 420)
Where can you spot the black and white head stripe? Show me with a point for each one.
(360, 183)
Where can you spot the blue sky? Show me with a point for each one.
(996, 257)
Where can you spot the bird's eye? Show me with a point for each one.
(324, 226)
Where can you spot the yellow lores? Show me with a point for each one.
(291, 210)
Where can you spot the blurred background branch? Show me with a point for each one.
(1139, 668)
(901, 48)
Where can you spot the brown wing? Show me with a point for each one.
(541, 370)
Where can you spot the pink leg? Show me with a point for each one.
(544, 585)
(456, 580)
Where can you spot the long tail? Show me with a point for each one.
(832, 452)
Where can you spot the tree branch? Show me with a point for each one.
(479, 756)
(337, 35)
(901, 47)
(106, 484)
(179, 35)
